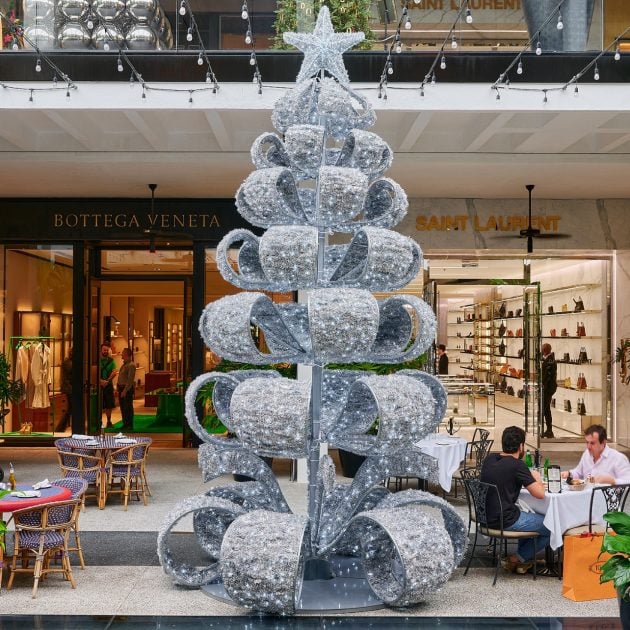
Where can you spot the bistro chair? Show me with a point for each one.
(615, 498)
(127, 465)
(40, 533)
(476, 453)
(480, 435)
(77, 487)
(76, 465)
(479, 491)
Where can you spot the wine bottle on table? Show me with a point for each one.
(12, 482)
(528, 459)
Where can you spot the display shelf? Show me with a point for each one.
(571, 287)
(586, 390)
(585, 312)
(581, 365)
(568, 337)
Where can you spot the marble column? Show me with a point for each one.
(621, 324)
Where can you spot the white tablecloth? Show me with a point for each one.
(449, 452)
(565, 510)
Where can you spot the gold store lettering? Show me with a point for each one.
(122, 220)
(500, 223)
(492, 5)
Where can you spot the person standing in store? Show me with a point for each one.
(549, 386)
(126, 380)
(66, 388)
(107, 371)
(442, 359)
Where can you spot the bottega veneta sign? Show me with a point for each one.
(492, 222)
(162, 221)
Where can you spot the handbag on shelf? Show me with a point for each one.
(510, 333)
(553, 402)
(459, 320)
(553, 332)
(581, 329)
(567, 382)
(519, 312)
(550, 310)
(581, 381)
(502, 309)
(564, 333)
(567, 358)
(519, 332)
(503, 386)
(504, 369)
(579, 305)
(581, 406)
(502, 348)
(520, 393)
(583, 356)
(565, 308)
(510, 391)
(581, 569)
(502, 329)
(513, 372)
(510, 314)
(521, 352)
(567, 405)
(520, 373)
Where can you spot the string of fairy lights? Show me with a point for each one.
(62, 81)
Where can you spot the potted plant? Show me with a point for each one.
(11, 390)
(617, 567)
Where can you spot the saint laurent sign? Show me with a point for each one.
(492, 222)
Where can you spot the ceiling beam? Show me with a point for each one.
(218, 129)
(70, 128)
(146, 131)
(415, 131)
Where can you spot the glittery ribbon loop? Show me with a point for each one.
(282, 406)
(304, 145)
(453, 522)
(367, 152)
(335, 325)
(262, 560)
(268, 151)
(437, 390)
(406, 553)
(215, 461)
(210, 525)
(340, 109)
(284, 258)
(224, 386)
(403, 406)
(182, 573)
(340, 505)
(385, 206)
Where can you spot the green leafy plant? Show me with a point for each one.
(3, 524)
(617, 567)
(11, 390)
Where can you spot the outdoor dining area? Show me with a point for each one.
(44, 515)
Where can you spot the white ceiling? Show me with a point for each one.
(105, 141)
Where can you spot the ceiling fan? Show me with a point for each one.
(530, 233)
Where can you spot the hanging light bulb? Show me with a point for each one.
(618, 53)
(208, 77)
(252, 59)
(575, 90)
(68, 92)
(90, 23)
(417, 1)
(55, 80)
(469, 17)
(38, 65)
(443, 63)
(182, 8)
(498, 95)
(244, 13)
(390, 68)
(519, 68)
(408, 24)
(106, 46)
(120, 64)
(422, 90)
(538, 48)
(398, 46)
(248, 37)
(30, 98)
(189, 36)
(560, 24)
(190, 99)
(200, 60)
(144, 94)
(545, 96)
(596, 73)
(433, 79)
(454, 42)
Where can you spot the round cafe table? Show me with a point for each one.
(449, 452)
(10, 503)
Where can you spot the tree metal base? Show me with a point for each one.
(349, 592)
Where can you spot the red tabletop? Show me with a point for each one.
(48, 495)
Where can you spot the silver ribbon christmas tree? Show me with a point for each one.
(322, 174)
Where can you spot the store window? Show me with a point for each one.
(37, 310)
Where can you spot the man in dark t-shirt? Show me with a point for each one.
(508, 472)
(442, 359)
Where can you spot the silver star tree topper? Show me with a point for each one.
(323, 48)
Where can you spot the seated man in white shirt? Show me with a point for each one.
(599, 462)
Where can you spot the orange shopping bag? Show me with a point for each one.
(582, 567)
